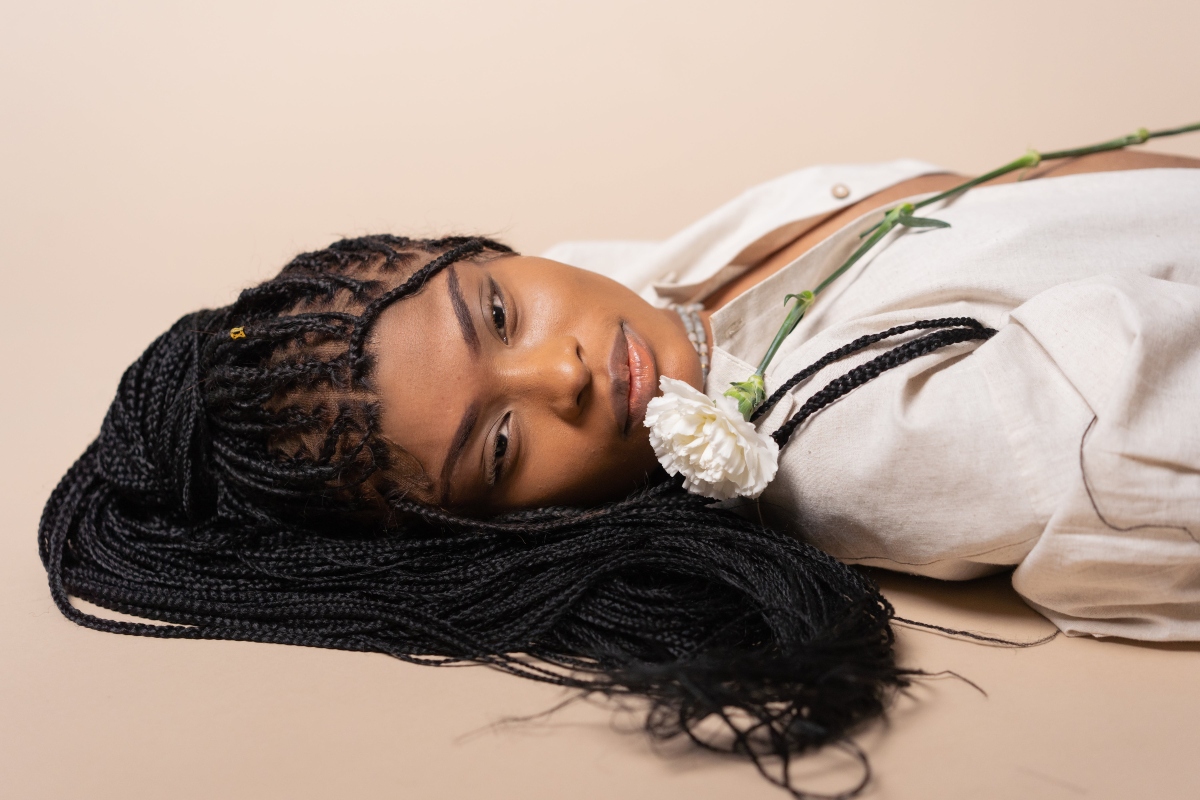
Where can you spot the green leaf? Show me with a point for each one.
(910, 221)
(805, 298)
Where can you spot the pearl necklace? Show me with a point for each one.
(690, 314)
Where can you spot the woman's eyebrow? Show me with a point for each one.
(461, 312)
(457, 445)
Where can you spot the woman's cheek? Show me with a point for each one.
(591, 458)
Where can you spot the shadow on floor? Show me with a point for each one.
(986, 604)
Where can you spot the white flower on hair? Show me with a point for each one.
(709, 442)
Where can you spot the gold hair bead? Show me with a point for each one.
(237, 333)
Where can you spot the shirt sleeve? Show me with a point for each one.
(1120, 555)
(913, 471)
(1069, 444)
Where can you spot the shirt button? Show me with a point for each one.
(734, 327)
(841, 191)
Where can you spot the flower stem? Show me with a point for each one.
(1032, 158)
(881, 230)
(749, 393)
(802, 302)
(805, 299)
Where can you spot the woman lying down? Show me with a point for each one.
(438, 449)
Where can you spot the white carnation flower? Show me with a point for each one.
(709, 442)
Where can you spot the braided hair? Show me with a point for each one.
(240, 489)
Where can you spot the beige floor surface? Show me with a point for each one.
(157, 157)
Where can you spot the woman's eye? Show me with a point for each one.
(499, 448)
(499, 318)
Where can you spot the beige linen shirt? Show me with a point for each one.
(1068, 445)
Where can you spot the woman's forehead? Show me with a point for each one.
(423, 369)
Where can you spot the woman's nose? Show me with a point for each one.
(553, 371)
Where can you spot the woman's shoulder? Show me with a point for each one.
(684, 264)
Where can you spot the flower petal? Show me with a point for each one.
(710, 443)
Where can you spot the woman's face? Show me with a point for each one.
(522, 382)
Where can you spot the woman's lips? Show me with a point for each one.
(643, 378)
(633, 378)
(618, 379)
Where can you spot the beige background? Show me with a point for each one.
(156, 157)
